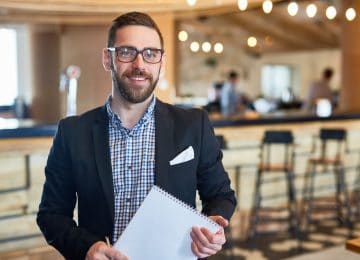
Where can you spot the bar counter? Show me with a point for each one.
(280, 117)
(14, 128)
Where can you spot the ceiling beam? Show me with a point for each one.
(254, 25)
(306, 32)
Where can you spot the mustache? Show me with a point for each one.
(137, 72)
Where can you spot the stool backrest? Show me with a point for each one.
(337, 135)
(280, 137)
(275, 137)
(332, 134)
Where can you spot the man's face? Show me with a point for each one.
(135, 80)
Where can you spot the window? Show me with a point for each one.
(275, 80)
(8, 67)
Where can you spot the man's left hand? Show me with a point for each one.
(205, 243)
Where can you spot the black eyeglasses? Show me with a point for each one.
(129, 54)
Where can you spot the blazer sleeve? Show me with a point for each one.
(55, 215)
(213, 182)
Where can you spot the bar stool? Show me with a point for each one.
(270, 140)
(327, 136)
(355, 198)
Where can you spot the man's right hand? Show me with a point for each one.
(101, 251)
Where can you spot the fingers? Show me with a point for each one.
(217, 238)
(220, 220)
(101, 251)
(114, 254)
(197, 252)
(206, 243)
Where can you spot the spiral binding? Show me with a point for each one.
(185, 205)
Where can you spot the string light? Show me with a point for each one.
(350, 14)
(218, 47)
(311, 10)
(267, 6)
(191, 2)
(242, 4)
(331, 12)
(293, 8)
(182, 36)
(251, 41)
(206, 46)
(194, 46)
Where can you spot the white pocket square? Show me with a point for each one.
(184, 156)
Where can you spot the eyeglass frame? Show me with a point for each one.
(114, 49)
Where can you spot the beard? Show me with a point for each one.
(131, 93)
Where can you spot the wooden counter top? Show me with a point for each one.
(281, 117)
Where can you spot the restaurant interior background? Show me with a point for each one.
(277, 55)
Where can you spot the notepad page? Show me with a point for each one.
(161, 228)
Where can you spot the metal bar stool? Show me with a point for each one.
(270, 140)
(338, 137)
(354, 196)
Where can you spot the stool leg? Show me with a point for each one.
(293, 217)
(305, 191)
(339, 208)
(255, 210)
(356, 196)
(310, 198)
(346, 200)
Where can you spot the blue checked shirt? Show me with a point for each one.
(132, 155)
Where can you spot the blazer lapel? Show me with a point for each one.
(102, 158)
(164, 144)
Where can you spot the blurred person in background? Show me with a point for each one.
(320, 90)
(229, 99)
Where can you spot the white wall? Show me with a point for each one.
(308, 67)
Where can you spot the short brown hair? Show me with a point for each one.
(132, 18)
(328, 73)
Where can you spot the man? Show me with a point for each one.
(229, 98)
(109, 158)
(320, 90)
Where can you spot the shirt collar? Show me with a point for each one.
(116, 121)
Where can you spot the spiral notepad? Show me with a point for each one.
(161, 228)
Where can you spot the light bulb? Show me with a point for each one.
(218, 47)
(251, 41)
(267, 6)
(242, 4)
(350, 14)
(331, 12)
(206, 46)
(194, 46)
(191, 2)
(182, 36)
(293, 8)
(311, 10)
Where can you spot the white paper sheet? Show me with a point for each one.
(161, 228)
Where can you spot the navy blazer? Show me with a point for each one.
(79, 170)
